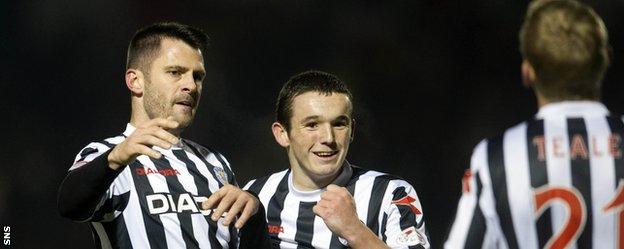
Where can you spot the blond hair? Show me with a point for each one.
(566, 43)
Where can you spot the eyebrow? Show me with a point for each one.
(342, 118)
(200, 73)
(310, 118)
(315, 117)
(176, 67)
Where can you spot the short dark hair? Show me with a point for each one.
(566, 42)
(145, 43)
(308, 81)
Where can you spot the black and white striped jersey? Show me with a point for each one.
(388, 205)
(155, 203)
(551, 182)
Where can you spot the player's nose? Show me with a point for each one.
(189, 84)
(326, 135)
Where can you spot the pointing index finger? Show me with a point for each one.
(168, 123)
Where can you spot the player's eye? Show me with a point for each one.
(174, 73)
(311, 125)
(198, 76)
(340, 124)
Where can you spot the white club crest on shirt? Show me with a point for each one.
(409, 237)
(221, 175)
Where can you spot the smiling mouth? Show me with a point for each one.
(325, 154)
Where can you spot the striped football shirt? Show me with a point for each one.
(551, 182)
(155, 203)
(387, 205)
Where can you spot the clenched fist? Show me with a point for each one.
(337, 208)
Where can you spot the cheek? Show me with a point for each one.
(343, 136)
(303, 141)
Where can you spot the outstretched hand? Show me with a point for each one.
(151, 133)
(234, 201)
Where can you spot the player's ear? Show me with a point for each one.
(134, 81)
(352, 129)
(528, 74)
(281, 134)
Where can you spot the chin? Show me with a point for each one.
(183, 120)
(327, 170)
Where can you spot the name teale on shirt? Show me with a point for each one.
(579, 148)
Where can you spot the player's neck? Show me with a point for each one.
(542, 101)
(308, 185)
(306, 182)
(138, 117)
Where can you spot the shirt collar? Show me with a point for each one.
(302, 195)
(129, 130)
(345, 175)
(572, 109)
(314, 195)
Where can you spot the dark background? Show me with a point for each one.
(430, 79)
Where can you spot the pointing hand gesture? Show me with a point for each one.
(151, 133)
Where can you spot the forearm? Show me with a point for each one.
(83, 188)
(364, 238)
(254, 233)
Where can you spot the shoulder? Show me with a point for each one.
(256, 185)
(616, 123)
(106, 143)
(378, 181)
(95, 149)
(516, 134)
(491, 154)
(213, 156)
(360, 174)
(102, 145)
(514, 130)
(204, 150)
(388, 191)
